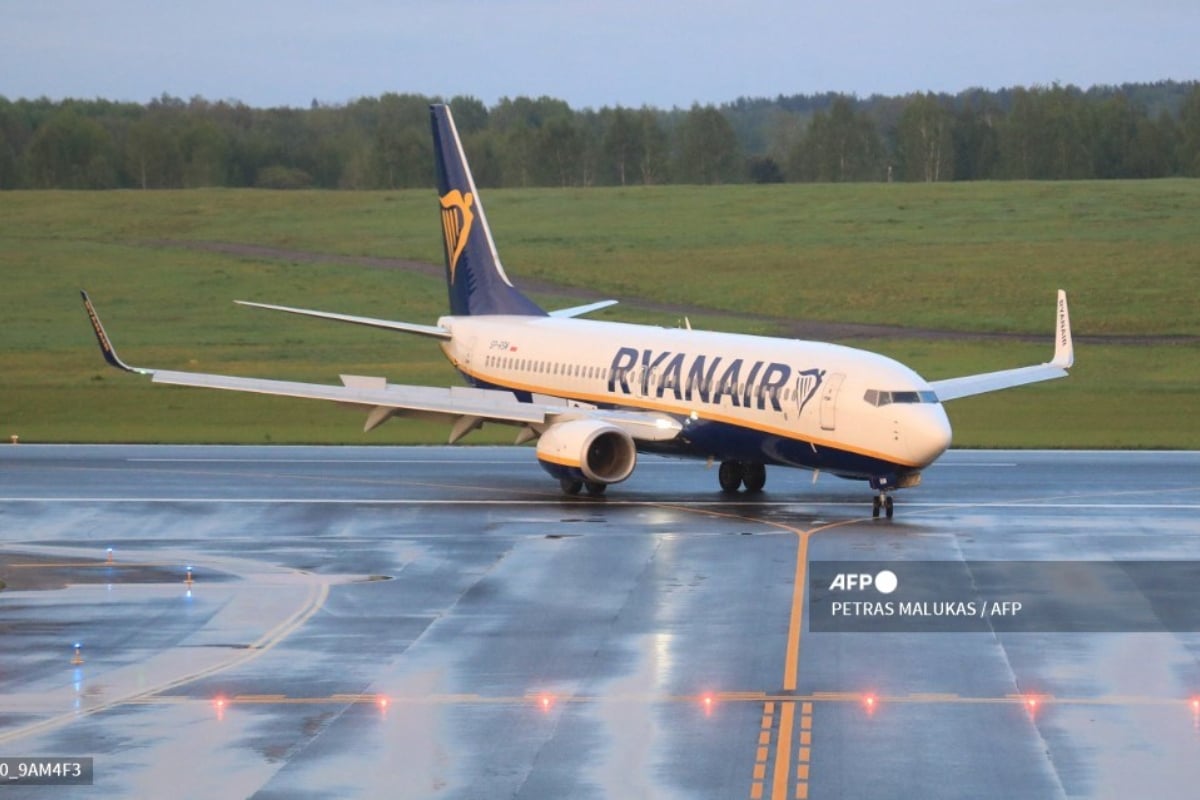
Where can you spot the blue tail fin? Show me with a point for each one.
(476, 278)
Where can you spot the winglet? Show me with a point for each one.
(1064, 347)
(106, 347)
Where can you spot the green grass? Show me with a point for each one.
(959, 257)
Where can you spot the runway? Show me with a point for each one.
(441, 622)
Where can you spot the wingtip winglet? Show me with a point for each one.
(1064, 346)
(106, 347)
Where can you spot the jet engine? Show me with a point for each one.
(602, 453)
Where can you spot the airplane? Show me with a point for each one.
(593, 394)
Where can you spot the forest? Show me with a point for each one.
(1050, 132)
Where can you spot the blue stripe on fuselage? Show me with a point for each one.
(725, 441)
(702, 438)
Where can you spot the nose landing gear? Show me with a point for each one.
(882, 501)
(884, 485)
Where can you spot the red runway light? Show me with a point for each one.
(869, 702)
(1196, 704)
(707, 701)
(545, 701)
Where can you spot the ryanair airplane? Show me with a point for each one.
(593, 394)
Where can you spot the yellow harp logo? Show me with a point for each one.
(457, 218)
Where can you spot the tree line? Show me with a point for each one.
(1038, 133)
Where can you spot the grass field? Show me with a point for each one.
(955, 257)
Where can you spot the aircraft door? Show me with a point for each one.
(470, 351)
(829, 393)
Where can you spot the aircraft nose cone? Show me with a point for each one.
(928, 435)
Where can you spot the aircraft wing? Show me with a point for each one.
(465, 407)
(1064, 358)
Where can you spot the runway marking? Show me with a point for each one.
(763, 752)
(457, 461)
(558, 502)
(782, 759)
(783, 751)
(804, 737)
(974, 465)
(804, 754)
(93, 564)
(315, 600)
(791, 668)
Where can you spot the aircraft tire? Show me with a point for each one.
(754, 477)
(570, 486)
(876, 504)
(889, 507)
(595, 488)
(730, 476)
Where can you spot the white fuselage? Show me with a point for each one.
(800, 403)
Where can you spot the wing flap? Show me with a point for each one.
(500, 406)
(456, 402)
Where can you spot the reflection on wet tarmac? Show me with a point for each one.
(358, 622)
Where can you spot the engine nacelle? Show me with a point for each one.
(595, 450)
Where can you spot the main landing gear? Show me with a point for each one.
(882, 502)
(571, 486)
(736, 474)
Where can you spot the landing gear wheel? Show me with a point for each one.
(754, 477)
(730, 476)
(570, 486)
(595, 489)
(876, 504)
(889, 508)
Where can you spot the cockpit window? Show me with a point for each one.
(880, 398)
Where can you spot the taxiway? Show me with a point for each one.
(415, 622)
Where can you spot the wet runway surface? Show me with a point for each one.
(416, 622)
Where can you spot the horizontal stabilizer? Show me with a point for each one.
(433, 331)
(579, 311)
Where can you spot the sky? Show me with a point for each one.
(592, 53)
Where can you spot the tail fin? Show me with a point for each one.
(478, 284)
